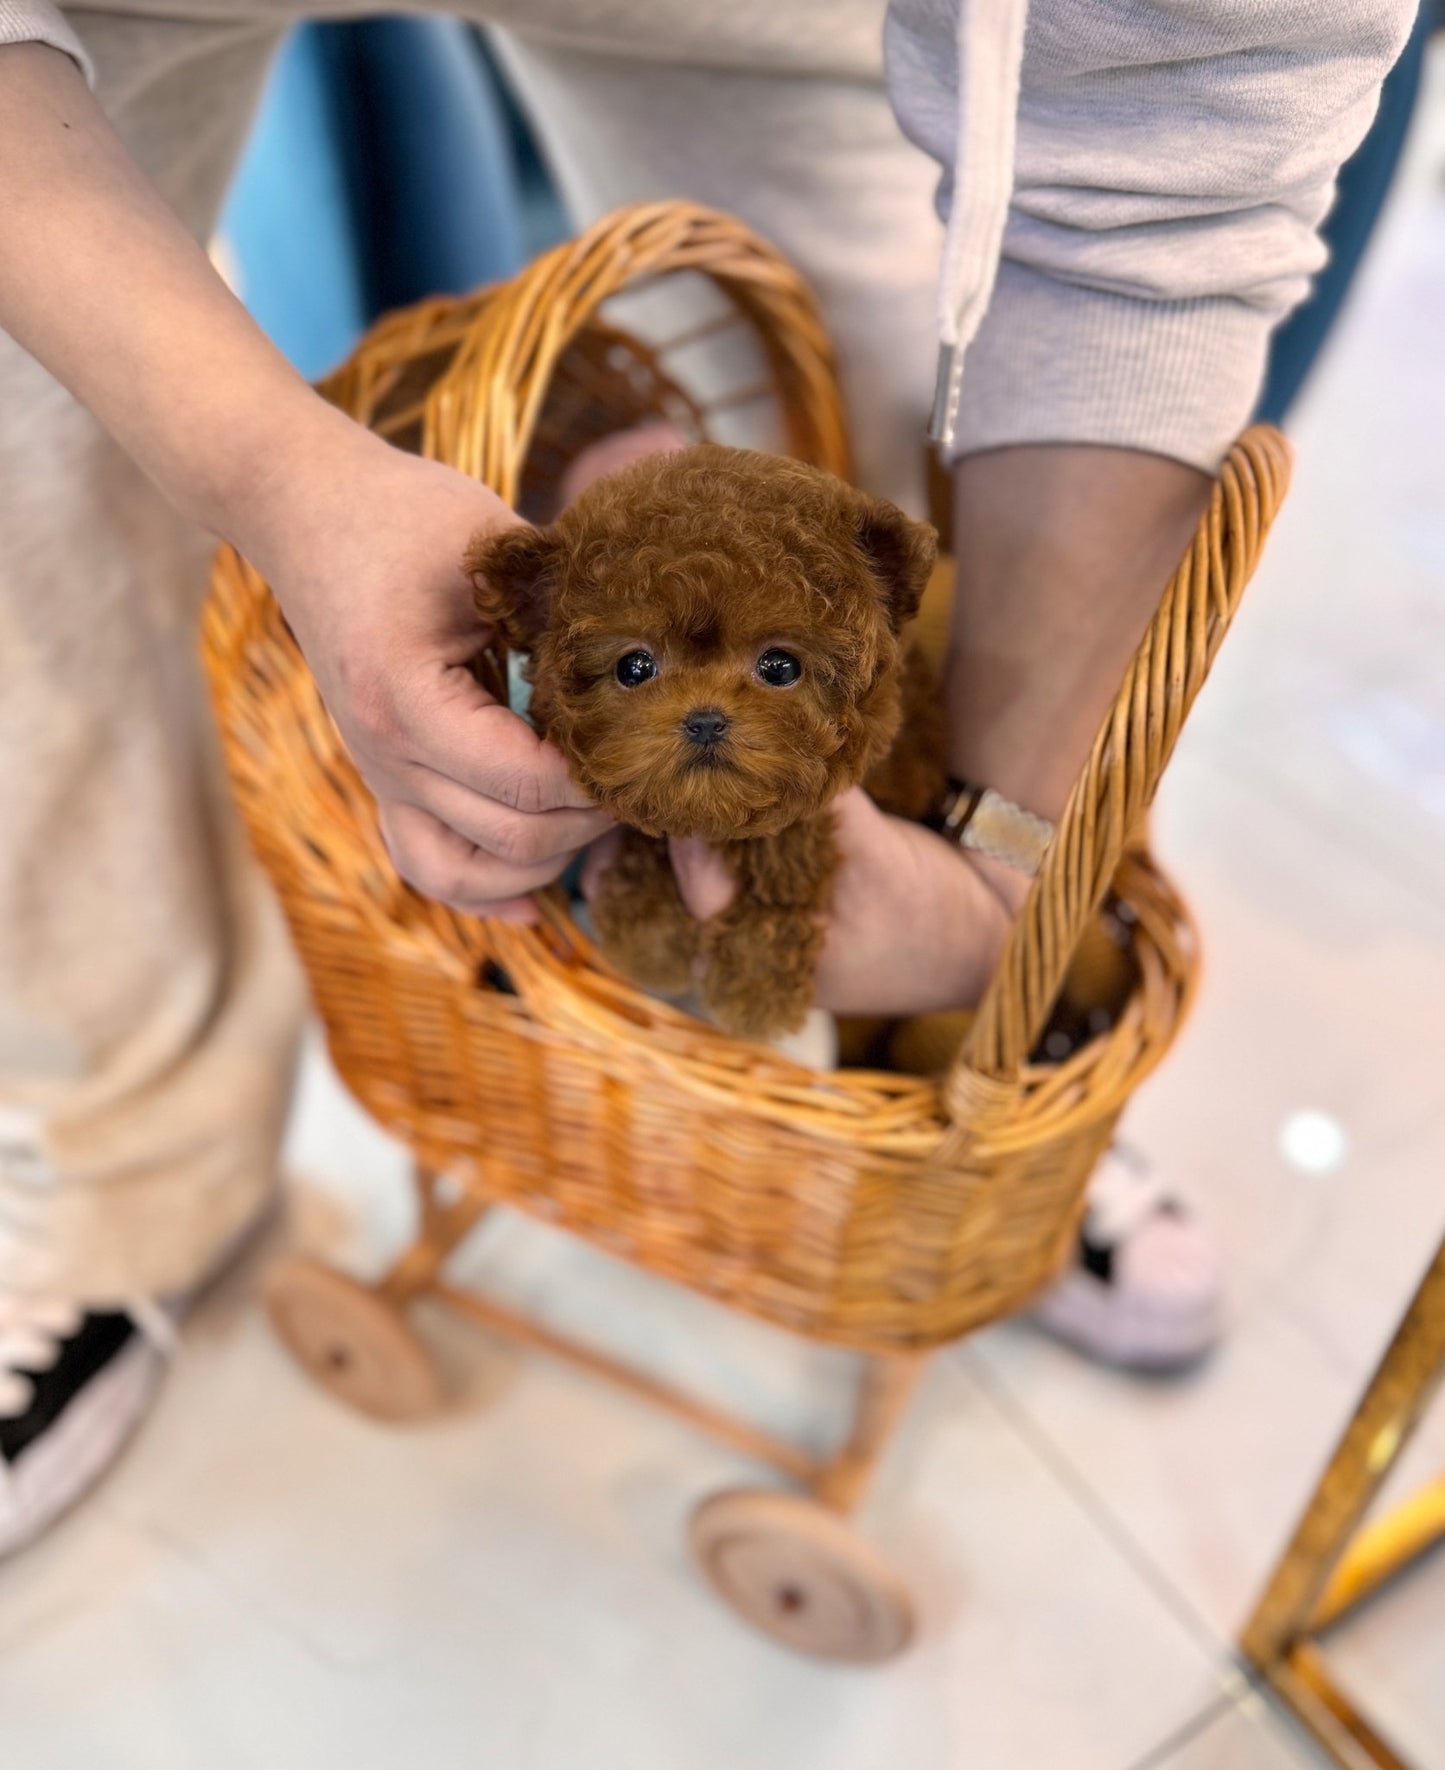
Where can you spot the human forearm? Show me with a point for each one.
(1063, 552)
(362, 544)
(101, 282)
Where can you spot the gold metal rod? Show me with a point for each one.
(1387, 1414)
(1302, 1681)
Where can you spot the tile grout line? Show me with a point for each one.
(1294, 1747)
(1091, 1503)
(239, 1601)
(1237, 1681)
(1158, 1756)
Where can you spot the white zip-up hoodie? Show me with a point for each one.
(1133, 191)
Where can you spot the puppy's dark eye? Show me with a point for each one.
(635, 668)
(779, 669)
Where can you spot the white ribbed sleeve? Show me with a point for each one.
(1172, 163)
(37, 21)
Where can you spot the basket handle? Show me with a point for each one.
(480, 414)
(1114, 790)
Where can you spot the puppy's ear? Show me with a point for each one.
(901, 553)
(514, 578)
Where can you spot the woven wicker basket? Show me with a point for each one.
(884, 1212)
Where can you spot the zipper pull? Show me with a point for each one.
(943, 423)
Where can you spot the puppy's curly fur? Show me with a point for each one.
(713, 639)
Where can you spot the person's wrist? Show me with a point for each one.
(1008, 886)
(967, 921)
(284, 473)
(982, 911)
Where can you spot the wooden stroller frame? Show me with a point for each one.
(519, 1071)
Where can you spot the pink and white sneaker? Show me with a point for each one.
(1146, 1290)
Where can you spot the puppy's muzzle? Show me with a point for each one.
(705, 726)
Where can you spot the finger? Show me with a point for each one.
(600, 856)
(441, 865)
(456, 730)
(704, 881)
(520, 838)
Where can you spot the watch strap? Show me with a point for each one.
(982, 819)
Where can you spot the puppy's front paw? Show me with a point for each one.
(642, 924)
(758, 964)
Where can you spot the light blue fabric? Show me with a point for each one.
(384, 166)
(288, 224)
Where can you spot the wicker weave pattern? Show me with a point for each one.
(880, 1211)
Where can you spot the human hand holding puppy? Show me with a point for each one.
(477, 811)
(714, 640)
(914, 925)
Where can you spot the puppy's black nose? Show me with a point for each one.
(705, 725)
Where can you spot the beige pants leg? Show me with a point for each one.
(810, 157)
(148, 1001)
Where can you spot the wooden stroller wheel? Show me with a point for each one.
(351, 1341)
(801, 1574)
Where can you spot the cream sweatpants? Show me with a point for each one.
(149, 1005)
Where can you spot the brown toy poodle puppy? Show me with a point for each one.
(714, 645)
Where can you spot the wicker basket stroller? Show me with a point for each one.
(885, 1213)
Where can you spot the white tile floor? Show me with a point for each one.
(271, 1584)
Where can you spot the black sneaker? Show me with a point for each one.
(74, 1384)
